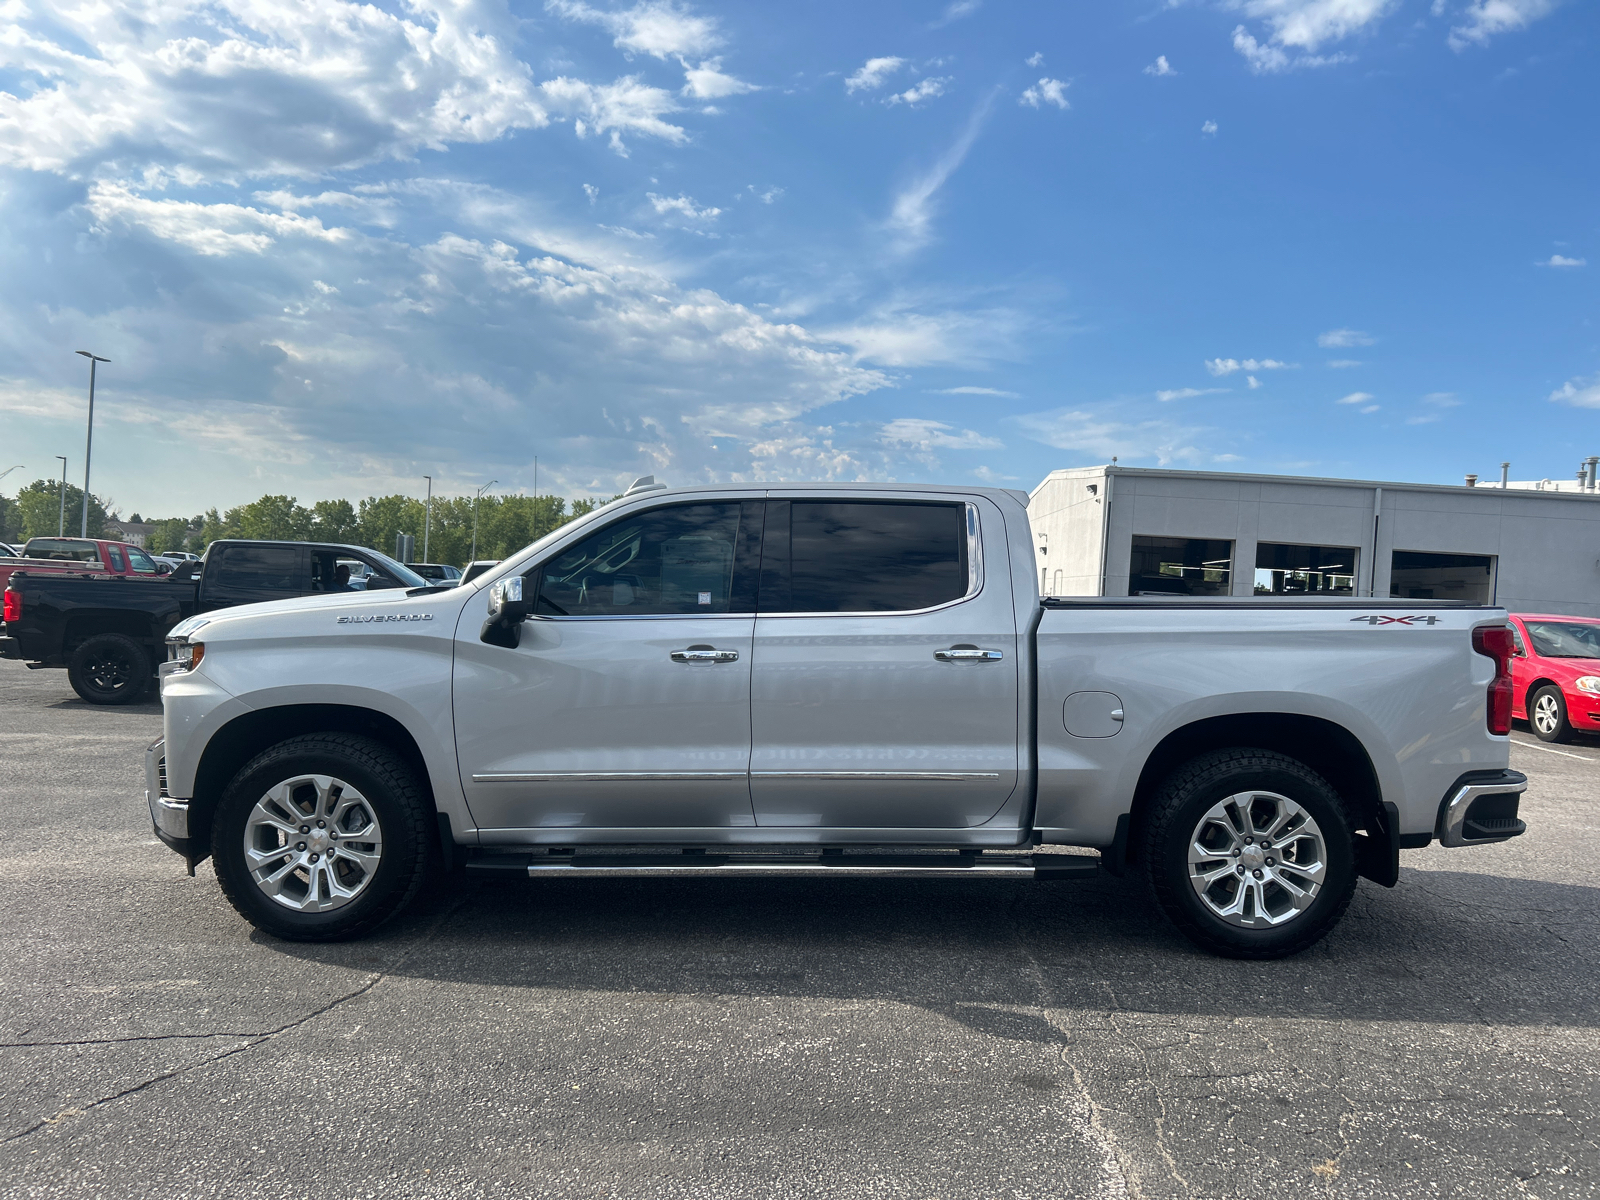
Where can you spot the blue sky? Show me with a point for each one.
(333, 247)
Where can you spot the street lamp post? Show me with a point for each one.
(427, 519)
(475, 499)
(94, 361)
(61, 519)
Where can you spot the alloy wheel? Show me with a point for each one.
(1546, 713)
(313, 843)
(1257, 859)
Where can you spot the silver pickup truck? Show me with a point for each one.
(827, 680)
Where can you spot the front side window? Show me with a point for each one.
(262, 568)
(863, 556)
(142, 563)
(1564, 639)
(687, 560)
(1168, 566)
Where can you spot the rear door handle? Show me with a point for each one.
(968, 654)
(704, 654)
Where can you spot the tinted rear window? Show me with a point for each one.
(272, 568)
(65, 549)
(867, 556)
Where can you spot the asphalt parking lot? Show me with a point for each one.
(766, 1038)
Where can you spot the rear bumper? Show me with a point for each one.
(1481, 808)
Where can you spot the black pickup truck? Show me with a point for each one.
(109, 632)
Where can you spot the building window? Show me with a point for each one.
(1305, 570)
(1418, 576)
(1180, 567)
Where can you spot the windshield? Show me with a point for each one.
(406, 576)
(1564, 639)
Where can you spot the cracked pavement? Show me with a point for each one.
(766, 1038)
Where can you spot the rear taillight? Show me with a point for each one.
(1494, 641)
(13, 606)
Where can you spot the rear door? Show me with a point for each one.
(884, 693)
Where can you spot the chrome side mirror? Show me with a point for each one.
(507, 611)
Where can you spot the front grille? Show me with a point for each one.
(161, 776)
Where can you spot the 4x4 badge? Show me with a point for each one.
(1377, 620)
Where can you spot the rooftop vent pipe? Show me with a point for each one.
(1592, 462)
(1505, 474)
(1472, 481)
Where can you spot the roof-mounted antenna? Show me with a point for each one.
(645, 483)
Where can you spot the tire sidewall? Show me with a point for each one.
(1170, 865)
(133, 653)
(1563, 725)
(391, 882)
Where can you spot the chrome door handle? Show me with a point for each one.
(704, 654)
(968, 654)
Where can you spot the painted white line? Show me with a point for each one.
(1551, 750)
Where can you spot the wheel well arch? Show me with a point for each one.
(1327, 747)
(130, 624)
(1533, 687)
(242, 738)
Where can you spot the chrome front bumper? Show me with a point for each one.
(169, 816)
(1459, 825)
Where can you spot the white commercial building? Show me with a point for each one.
(1119, 531)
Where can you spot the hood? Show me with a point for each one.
(343, 610)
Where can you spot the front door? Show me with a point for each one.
(885, 687)
(626, 705)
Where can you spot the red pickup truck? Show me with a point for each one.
(80, 556)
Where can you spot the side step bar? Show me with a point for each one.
(697, 863)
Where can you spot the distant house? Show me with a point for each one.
(132, 532)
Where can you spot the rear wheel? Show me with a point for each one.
(322, 837)
(1250, 853)
(1547, 713)
(109, 668)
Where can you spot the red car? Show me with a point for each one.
(1556, 674)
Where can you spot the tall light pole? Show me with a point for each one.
(61, 520)
(94, 361)
(475, 500)
(427, 519)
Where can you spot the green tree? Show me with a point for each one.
(275, 518)
(171, 534)
(38, 511)
(381, 517)
(334, 521)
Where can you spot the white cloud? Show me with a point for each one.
(205, 89)
(927, 89)
(911, 217)
(1486, 18)
(1187, 393)
(872, 73)
(1580, 393)
(1227, 366)
(1252, 381)
(1046, 91)
(765, 195)
(1035, 59)
(1307, 24)
(659, 28)
(707, 82)
(628, 104)
(957, 9)
(1371, 408)
(1342, 338)
(1268, 59)
(1355, 398)
(1561, 260)
(592, 192)
(1209, 129)
(213, 230)
(973, 391)
(683, 206)
(1339, 364)
(991, 476)
(906, 335)
(1160, 67)
(926, 435)
(1442, 400)
(1099, 437)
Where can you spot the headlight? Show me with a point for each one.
(188, 654)
(1588, 683)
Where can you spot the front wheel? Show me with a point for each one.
(1250, 853)
(322, 838)
(1547, 713)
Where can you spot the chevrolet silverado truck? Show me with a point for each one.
(109, 632)
(827, 681)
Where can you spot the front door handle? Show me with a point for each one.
(704, 654)
(968, 654)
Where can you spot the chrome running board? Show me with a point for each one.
(699, 863)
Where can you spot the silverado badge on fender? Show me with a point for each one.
(378, 618)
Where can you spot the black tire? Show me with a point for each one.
(395, 800)
(109, 668)
(1547, 715)
(1174, 823)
